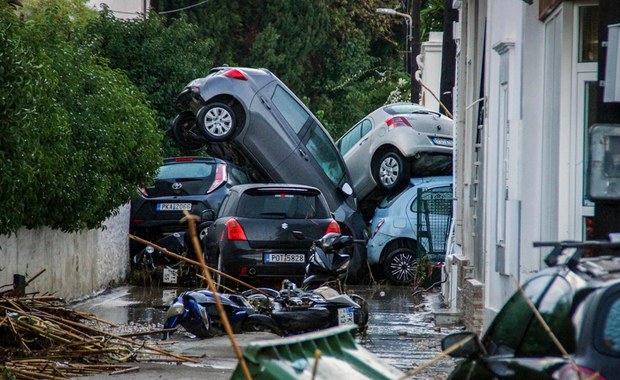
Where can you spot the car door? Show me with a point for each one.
(270, 135)
(355, 149)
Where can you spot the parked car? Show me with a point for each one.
(410, 224)
(248, 116)
(195, 184)
(252, 237)
(579, 299)
(394, 143)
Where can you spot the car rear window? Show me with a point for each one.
(186, 170)
(403, 108)
(611, 329)
(281, 205)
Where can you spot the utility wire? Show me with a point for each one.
(164, 12)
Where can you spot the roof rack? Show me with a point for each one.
(559, 247)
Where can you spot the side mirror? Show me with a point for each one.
(465, 344)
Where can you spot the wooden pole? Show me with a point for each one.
(218, 302)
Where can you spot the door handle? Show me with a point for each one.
(363, 141)
(303, 154)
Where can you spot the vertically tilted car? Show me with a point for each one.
(578, 297)
(394, 143)
(194, 184)
(252, 238)
(248, 116)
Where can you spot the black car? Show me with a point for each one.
(195, 184)
(252, 237)
(249, 117)
(579, 299)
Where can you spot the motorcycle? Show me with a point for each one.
(328, 260)
(163, 269)
(316, 306)
(196, 311)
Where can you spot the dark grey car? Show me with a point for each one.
(248, 116)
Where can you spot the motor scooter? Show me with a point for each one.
(196, 311)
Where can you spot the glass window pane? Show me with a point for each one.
(295, 115)
(186, 170)
(611, 332)
(588, 34)
(320, 146)
(350, 139)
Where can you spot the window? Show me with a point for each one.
(185, 170)
(588, 34)
(281, 205)
(611, 331)
(320, 146)
(294, 114)
(354, 135)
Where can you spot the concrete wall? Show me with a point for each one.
(76, 265)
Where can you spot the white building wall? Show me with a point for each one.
(124, 9)
(75, 264)
(430, 62)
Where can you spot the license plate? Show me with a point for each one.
(345, 316)
(174, 206)
(170, 276)
(285, 258)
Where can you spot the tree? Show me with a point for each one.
(77, 136)
(159, 59)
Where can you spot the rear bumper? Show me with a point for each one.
(245, 263)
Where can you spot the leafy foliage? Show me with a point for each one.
(77, 136)
(160, 59)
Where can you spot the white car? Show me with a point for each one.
(394, 143)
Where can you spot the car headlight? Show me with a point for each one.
(175, 309)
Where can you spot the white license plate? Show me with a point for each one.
(345, 316)
(174, 206)
(285, 258)
(170, 276)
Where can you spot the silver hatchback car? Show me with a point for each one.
(394, 143)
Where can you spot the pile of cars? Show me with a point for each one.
(262, 134)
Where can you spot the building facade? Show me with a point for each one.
(527, 90)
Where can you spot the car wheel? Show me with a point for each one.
(185, 133)
(217, 122)
(400, 266)
(391, 171)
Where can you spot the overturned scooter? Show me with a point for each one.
(318, 304)
(197, 313)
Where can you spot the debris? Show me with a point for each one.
(41, 338)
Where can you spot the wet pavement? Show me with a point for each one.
(401, 329)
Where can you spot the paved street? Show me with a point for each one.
(401, 331)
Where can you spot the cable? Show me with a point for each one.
(182, 9)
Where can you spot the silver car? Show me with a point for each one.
(394, 143)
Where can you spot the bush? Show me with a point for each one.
(77, 136)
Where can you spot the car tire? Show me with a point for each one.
(391, 171)
(185, 132)
(217, 122)
(400, 266)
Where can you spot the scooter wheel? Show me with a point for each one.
(256, 326)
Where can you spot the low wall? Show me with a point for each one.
(76, 264)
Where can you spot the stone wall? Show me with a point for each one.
(76, 264)
(470, 297)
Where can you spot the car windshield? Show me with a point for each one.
(281, 205)
(516, 330)
(186, 170)
(321, 147)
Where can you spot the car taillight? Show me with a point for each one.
(234, 231)
(333, 227)
(235, 74)
(575, 372)
(381, 221)
(221, 176)
(398, 121)
(143, 191)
